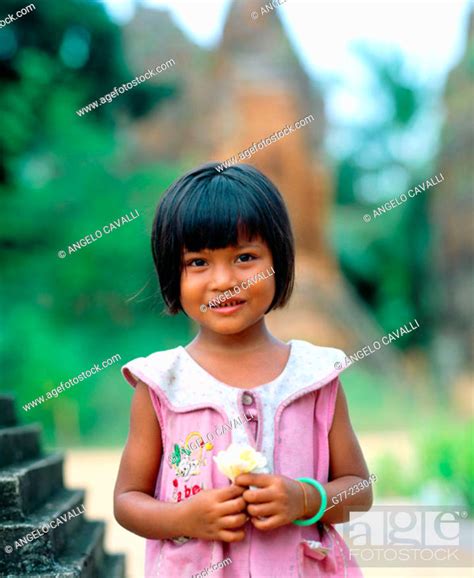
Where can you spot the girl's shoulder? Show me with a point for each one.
(318, 351)
(310, 359)
(176, 378)
(154, 367)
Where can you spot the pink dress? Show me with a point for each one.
(287, 419)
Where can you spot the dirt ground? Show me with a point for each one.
(95, 471)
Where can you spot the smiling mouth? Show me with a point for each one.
(229, 304)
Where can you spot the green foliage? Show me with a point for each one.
(444, 454)
(63, 177)
(447, 454)
(69, 50)
(375, 404)
(393, 480)
(386, 259)
(33, 70)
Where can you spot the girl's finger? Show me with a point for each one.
(229, 492)
(267, 510)
(258, 496)
(229, 536)
(232, 522)
(259, 480)
(268, 524)
(234, 506)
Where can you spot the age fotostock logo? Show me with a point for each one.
(421, 536)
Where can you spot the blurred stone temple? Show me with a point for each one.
(227, 99)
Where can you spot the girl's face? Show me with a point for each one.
(209, 274)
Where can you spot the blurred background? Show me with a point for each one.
(390, 86)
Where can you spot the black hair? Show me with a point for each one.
(207, 209)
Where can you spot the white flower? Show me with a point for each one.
(239, 459)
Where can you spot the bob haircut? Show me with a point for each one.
(208, 209)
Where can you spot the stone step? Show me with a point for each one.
(84, 555)
(7, 411)
(25, 486)
(36, 553)
(19, 443)
(114, 566)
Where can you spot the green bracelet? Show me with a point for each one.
(324, 501)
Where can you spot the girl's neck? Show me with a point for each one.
(252, 339)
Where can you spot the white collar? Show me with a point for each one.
(185, 383)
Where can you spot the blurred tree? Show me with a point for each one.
(70, 46)
(63, 177)
(452, 257)
(387, 259)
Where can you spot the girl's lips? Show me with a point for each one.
(228, 307)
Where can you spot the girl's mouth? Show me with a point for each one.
(229, 306)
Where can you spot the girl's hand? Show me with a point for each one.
(216, 515)
(277, 498)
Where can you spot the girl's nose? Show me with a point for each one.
(223, 278)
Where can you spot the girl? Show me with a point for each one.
(217, 237)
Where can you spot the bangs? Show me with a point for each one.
(219, 215)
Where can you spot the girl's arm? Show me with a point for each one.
(347, 468)
(210, 514)
(281, 499)
(135, 508)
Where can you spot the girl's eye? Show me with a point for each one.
(245, 259)
(196, 263)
